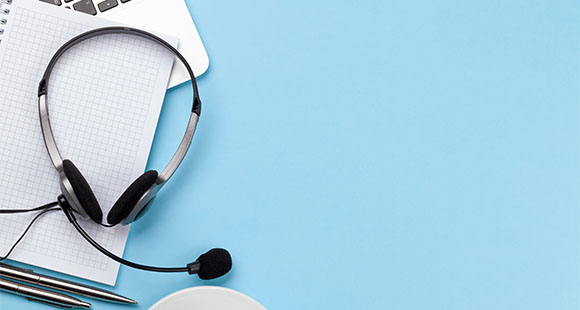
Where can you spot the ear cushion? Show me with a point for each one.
(131, 196)
(83, 191)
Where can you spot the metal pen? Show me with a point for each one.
(29, 276)
(41, 295)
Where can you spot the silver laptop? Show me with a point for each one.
(166, 16)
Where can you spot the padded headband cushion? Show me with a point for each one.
(83, 191)
(131, 196)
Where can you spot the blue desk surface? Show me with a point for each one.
(375, 155)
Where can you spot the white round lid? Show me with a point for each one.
(207, 298)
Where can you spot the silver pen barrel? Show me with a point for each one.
(83, 290)
(28, 276)
(42, 295)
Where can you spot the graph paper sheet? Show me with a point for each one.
(104, 97)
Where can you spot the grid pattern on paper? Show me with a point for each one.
(99, 98)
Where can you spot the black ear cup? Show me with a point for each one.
(131, 196)
(83, 191)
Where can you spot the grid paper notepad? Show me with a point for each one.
(104, 97)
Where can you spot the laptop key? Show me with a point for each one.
(107, 4)
(85, 6)
(55, 2)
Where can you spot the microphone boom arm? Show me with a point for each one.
(68, 211)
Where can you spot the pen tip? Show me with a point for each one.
(130, 301)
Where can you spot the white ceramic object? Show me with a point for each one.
(207, 298)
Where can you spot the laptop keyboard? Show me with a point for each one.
(87, 6)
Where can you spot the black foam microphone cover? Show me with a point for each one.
(214, 264)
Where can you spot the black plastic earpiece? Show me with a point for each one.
(131, 196)
(83, 191)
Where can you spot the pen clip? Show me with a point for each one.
(48, 303)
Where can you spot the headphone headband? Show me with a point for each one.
(47, 133)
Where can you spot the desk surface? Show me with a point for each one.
(378, 155)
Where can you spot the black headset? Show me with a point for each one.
(77, 196)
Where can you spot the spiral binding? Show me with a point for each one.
(4, 11)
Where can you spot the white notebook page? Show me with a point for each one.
(104, 98)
